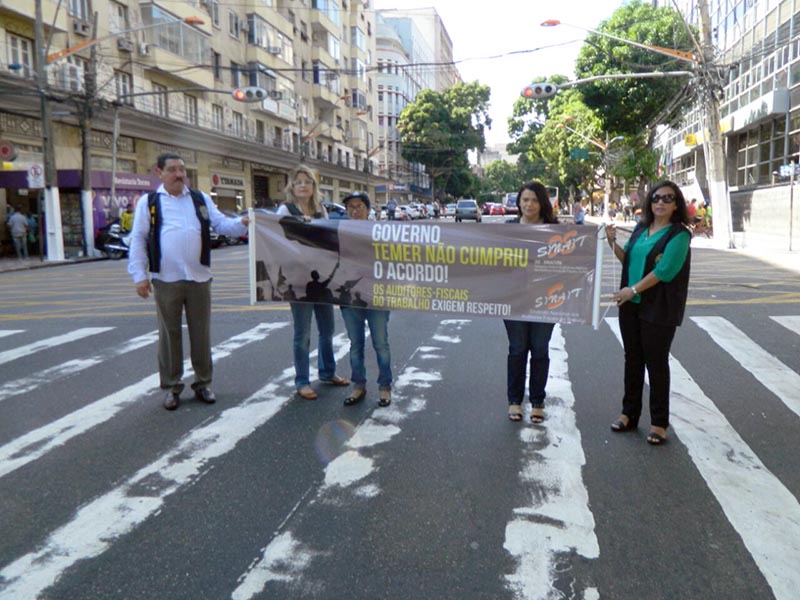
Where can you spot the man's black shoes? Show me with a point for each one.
(205, 394)
(171, 400)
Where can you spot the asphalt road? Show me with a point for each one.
(104, 494)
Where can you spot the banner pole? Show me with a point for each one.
(598, 278)
(251, 248)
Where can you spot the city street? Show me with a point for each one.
(106, 495)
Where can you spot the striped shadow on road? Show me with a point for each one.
(37, 443)
(759, 507)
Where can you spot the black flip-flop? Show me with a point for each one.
(655, 439)
(356, 397)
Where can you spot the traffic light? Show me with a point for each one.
(535, 91)
(250, 94)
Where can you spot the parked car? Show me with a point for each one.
(402, 213)
(421, 209)
(335, 211)
(450, 210)
(486, 209)
(467, 209)
(497, 209)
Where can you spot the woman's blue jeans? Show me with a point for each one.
(326, 363)
(378, 321)
(525, 338)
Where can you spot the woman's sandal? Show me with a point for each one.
(355, 397)
(656, 439)
(620, 426)
(537, 415)
(384, 398)
(336, 380)
(514, 412)
(307, 393)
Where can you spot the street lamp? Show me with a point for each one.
(712, 142)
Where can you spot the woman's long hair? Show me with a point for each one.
(302, 169)
(545, 207)
(681, 215)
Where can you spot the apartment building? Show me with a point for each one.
(166, 79)
(758, 48)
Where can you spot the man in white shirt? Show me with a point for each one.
(170, 240)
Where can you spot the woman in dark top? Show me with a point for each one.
(652, 299)
(526, 337)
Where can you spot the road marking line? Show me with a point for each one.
(792, 323)
(98, 524)
(766, 368)
(52, 342)
(285, 558)
(559, 521)
(27, 384)
(37, 443)
(8, 332)
(759, 507)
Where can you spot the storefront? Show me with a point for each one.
(128, 188)
(227, 191)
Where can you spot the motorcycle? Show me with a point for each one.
(113, 241)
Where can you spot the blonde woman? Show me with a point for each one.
(302, 200)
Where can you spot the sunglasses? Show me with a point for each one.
(666, 198)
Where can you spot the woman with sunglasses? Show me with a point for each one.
(356, 318)
(302, 200)
(652, 299)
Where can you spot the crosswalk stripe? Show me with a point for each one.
(34, 380)
(766, 368)
(98, 524)
(8, 332)
(39, 442)
(792, 323)
(759, 507)
(52, 342)
(558, 521)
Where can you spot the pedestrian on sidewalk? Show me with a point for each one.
(18, 224)
(302, 201)
(356, 319)
(652, 299)
(171, 240)
(526, 338)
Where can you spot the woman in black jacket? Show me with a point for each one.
(652, 299)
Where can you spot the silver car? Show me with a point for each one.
(467, 209)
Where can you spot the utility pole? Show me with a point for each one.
(712, 140)
(52, 202)
(90, 90)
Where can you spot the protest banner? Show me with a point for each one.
(543, 273)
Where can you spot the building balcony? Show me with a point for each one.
(320, 22)
(326, 96)
(282, 109)
(180, 69)
(269, 57)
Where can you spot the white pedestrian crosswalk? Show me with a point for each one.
(558, 521)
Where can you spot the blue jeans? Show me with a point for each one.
(326, 363)
(378, 321)
(525, 337)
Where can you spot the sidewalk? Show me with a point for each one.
(767, 248)
(35, 262)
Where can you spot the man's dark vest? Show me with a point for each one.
(154, 239)
(296, 212)
(665, 302)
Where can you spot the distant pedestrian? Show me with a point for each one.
(18, 223)
(652, 299)
(126, 219)
(171, 240)
(391, 209)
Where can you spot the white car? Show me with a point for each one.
(449, 210)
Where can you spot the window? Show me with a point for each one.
(217, 117)
(236, 70)
(79, 9)
(216, 64)
(160, 100)
(73, 73)
(234, 27)
(261, 133)
(357, 38)
(118, 21)
(238, 124)
(163, 30)
(124, 85)
(20, 52)
(214, 10)
(190, 109)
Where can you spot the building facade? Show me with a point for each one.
(167, 81)
(758, 45)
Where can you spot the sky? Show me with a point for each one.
(501, 27)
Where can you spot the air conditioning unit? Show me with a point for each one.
(275, 95)
(125, 44)
(144, 49)
(274, 49)
(81, 27)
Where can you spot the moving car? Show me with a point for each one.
(449, 210)
(497, 209)
(467, 208)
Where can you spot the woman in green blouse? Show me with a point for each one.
(652, 300)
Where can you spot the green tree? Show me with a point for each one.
(439, 128)
(500, 177)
